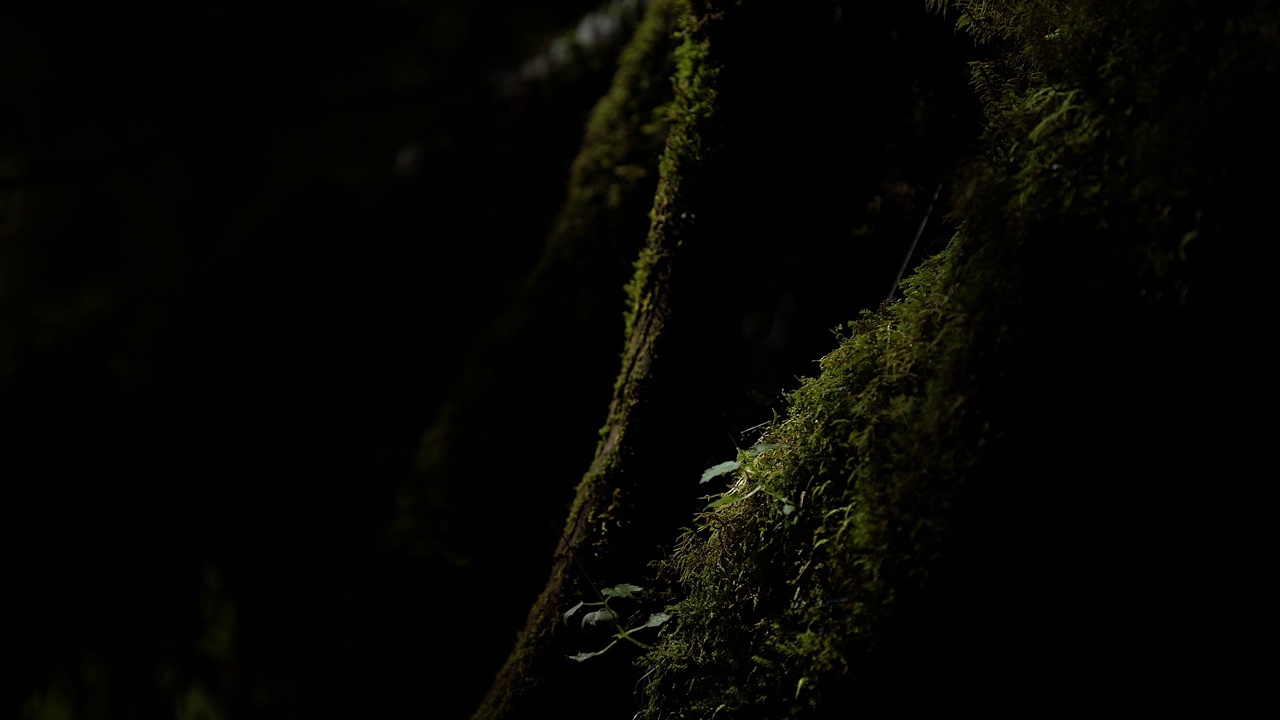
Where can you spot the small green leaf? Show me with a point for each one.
(788, 508)
(657, 619)
(600, 622)
(622, 591)
(587, 656)
(718, 470)
(761, 447)
(573, 610)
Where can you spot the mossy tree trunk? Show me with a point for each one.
(795, 174)
(1027, 483)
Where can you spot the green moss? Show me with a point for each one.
(1092, 227)
(808, 582)
(624, 135)
(639, 294)
(694, 82)
(609, 191)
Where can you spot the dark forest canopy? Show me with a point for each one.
(309, 326)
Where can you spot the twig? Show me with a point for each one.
(911, 250)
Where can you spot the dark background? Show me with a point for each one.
(242, 250)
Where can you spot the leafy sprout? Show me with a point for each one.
(607, 617)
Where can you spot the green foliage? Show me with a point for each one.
(787, 505)
(729, 466)
(606, 618)
(720, 469)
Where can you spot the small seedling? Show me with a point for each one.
(606, 619)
